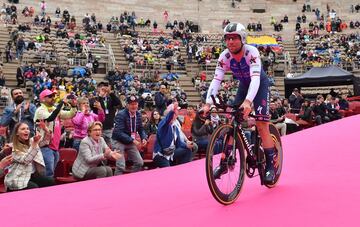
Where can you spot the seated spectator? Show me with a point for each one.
(343, 103)
(152, 126)
(93, 152)
(189, 118)
(6, 158)
(83, 118)
(172, 148)
(306, 112)
(320, 111)
(202, 129)
(28, 168)
(277, 120)
(333, 109)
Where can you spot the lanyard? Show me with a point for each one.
(105, 102)
(133, 129)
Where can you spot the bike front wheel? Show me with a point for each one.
(225, 164)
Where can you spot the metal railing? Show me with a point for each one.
(111, 59)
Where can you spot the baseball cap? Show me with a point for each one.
(131, 98)
(45, 93)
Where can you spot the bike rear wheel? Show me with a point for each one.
(275, 135)
(225, 151)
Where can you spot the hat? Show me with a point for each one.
(131, 98)
(45, 93)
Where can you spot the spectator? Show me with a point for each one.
(89, 163)
(343, 103)
(28, 168)
(189, 118)
(110, 104)
(6, 158)
(295, 100)
(333, 109)
(320, 111)
(152, 126)
(161, 99)
(83, 118)
(52, 115)
(202, 129)
(277, 120)
(19, 111)
(171, 149)
(306, 112)
(125, 135)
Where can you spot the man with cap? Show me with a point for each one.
(128, 127)
(19, 111)
(52, 115)
(109, 103)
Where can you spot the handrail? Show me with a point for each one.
(111, 59)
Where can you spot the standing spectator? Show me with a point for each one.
(127, 129)
(95, 65)
(19, 111)
(52, 115)
(84, 118)
(109, 103)
(171, 148)
(28, 166)
(89, 163)
(20, 46)
(161, 99)
(296, 99)
(8, 54)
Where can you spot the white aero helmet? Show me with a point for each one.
(236, 28)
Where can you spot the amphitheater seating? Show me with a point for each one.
(63, 169)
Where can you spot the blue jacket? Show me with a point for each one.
(10, 119)
(166, 134)
(122, 129)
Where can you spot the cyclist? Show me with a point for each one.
(245, 64)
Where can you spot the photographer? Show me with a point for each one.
(109, 103)
(201, 129)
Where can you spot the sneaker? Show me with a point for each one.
(220, 170)
(269, 175)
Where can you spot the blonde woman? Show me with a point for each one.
(93, 152)
(84, 118)
(28, 168)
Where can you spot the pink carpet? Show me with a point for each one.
(320, 186)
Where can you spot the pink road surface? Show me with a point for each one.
(320, 186)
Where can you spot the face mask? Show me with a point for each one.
(18, 100)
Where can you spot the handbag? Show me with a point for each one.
(167, 151)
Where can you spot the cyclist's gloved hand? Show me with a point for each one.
(246, 105)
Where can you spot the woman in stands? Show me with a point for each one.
(28, 168)
(83, 118)
(93, 152)
(152, 126)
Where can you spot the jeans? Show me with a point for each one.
(107, 133)
(132, 153)
(76, 144)
(51, 159)
(181, 156)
